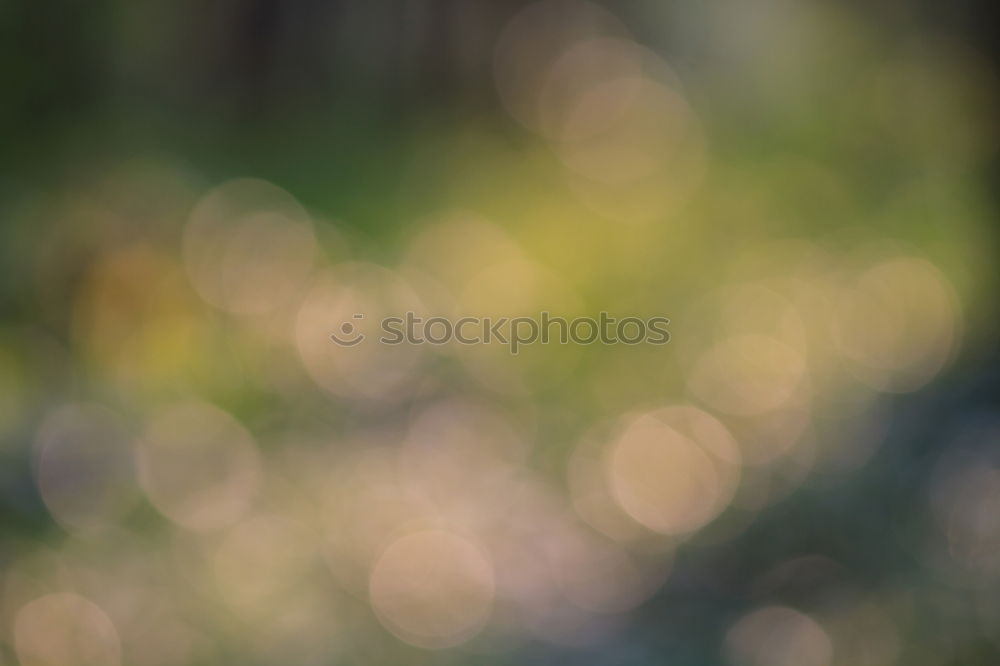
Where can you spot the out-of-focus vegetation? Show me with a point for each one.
(195, 197)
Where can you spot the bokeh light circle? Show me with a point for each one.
(198, 466)
(249, 246)
(778, 636)
(65, 630)
(433, 589)
(673, 470)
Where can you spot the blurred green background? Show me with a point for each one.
(195, 195)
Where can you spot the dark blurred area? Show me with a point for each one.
(251, 57)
